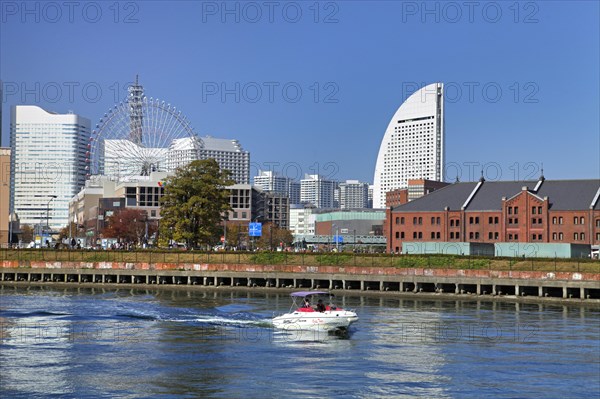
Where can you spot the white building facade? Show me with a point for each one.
(413, 143)
(317, 191)
(183, 151)
(122, 159)
(302, 221)
(48, 164)
(230, 155)
(353, 194)
(271, 182)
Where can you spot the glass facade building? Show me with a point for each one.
(48, 164)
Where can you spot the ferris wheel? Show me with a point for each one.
(139, 136)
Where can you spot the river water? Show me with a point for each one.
(102, 343)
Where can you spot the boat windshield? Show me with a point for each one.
(307, 300)
(309, 293)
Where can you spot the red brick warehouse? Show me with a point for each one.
(542, 211)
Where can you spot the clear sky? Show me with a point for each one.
(522, 78)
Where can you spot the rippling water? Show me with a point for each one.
(89, 343)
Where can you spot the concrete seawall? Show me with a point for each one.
(566, 285)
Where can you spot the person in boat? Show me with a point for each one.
(320, 306)
(306, 302)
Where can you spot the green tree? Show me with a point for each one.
(194, 203)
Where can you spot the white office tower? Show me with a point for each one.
(48, 166)
(413, 144)
(270, 181)
(317, 191)
(230, 155)
(353, 194)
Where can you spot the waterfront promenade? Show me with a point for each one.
(565, 279)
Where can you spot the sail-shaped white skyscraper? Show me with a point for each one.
(413, 144)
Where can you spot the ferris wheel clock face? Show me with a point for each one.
(140, 136)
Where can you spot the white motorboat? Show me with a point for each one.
(316, 316)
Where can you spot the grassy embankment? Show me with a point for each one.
(308, 259)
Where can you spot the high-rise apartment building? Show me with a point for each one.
(318, 191)
(353, 194)
(229, 154)
(270, 181)
(413, 144)
(47, 164)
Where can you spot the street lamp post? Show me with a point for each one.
(146, 231)
(225, 232)
(48, 212)
(41, 229)
(10, 229)
(332, 237)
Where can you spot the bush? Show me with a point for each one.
(268, 258)
(333, 259)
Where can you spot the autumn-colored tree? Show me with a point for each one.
(273, 236)
(128, 225)
(26, 233)
(194, 203)
(68, 231)
(237, 234)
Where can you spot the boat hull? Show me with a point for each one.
(321, 321)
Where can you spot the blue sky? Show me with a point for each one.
(522, 79)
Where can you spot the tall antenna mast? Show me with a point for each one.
(136, 94)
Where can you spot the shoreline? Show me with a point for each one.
(445, 296)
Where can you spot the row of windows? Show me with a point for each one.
(495, 220)
(576, 220)
(419, 235)
(495, 236)
(149, 200)
(491, 220)
(235, 215)
(576, 236)
(579, 236)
